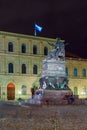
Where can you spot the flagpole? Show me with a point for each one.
(35, 32)
(37, 28)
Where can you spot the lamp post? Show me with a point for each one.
(19, 93)
(19, 99)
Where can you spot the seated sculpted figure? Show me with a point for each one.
(58, 50)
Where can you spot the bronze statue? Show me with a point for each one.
(54, 75)
(56, 45)
(58, 51)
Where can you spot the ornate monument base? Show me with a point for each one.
(53, 75)
(55, 94)
(54, 80)
(54, 83)
(56, 97)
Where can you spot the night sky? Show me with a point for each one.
(66, 19)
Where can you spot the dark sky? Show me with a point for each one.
(66, 19)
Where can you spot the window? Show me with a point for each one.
(23, 69)
(84, 72)
(24, 90)
(75, 91)
(10, 68)
(10, 47)
(84, 91)
(75, 72)
(23, 48)
(45, 51)
(34, 49)
(35, 69)
(66, 71)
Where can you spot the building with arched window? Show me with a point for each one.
(75, 91)
(45, 51)
(75, 73)
(23, 69)
(34, 49)
(35, 69)
(84, 72)
(23, 48)
(21, 59)
(10, 47)
(10, 68)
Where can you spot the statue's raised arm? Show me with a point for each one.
(58, 41)
(51, 44)
(58, 50)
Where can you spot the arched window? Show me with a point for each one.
(23, 69)
(23, 90)
(75, 91)
(10, 68)
(35, 69)
(84, 72)
(66, 71)
(75, 72)
(10, 46)
(34, 49)
(23, 48)
(45, 51)
(84, 91)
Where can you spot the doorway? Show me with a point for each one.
(10, 91)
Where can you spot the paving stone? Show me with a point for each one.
(43, 117)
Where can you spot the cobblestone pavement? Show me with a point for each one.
(62, 117)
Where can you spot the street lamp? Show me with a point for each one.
(19, 93)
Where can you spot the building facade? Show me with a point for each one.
(76, 69)
(21, 59)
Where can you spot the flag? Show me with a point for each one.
(38, 28)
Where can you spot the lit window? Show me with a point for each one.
(84, 91)
(24, 90)
(75, 91)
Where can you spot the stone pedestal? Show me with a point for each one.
(53, 75)
(53, 67)
(56, 97)
(55, 94)
(54, 80)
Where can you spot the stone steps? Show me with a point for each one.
(61, 102)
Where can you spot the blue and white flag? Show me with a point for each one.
(38, 28)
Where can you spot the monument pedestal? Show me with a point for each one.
(53, 75)
(53, 67)
(54, 80)
(56, 97)
(55, 94)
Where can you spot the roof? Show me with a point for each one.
(69, 54)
